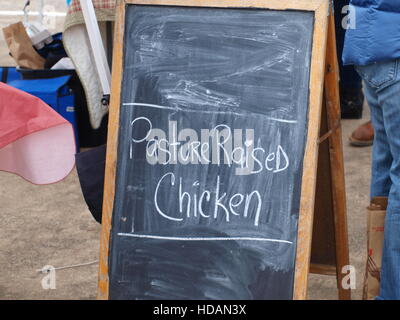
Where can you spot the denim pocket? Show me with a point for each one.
(379, 75)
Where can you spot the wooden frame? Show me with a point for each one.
(337, 238)
(317, 74)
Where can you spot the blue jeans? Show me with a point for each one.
(382, 90)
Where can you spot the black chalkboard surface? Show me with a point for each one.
(212, 132)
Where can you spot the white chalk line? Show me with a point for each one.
(147, 236)
(47, 270)
(197, 111)
(32, 13)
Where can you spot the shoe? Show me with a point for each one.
(351, 102)
(363, 136)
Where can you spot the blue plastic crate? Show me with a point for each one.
(56, 93)
(8, 74)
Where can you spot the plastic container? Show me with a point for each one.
(88, 137)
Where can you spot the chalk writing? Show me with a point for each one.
(220, 145)
(191, 201)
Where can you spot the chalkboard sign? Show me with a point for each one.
(213, 124)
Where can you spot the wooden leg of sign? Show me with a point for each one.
(330, 252)
(336, 159)
(334, 135)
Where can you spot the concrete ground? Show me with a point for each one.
(357, 163)
(51, 225)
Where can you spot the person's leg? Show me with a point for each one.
(389, 98)
(351, 97)
(348, 75)
(381, 155)
(383, 94)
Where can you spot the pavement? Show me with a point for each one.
(51, 225)
(357, 165)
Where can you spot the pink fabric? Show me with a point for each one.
(35, 141)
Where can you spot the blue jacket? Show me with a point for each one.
(376, 36)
